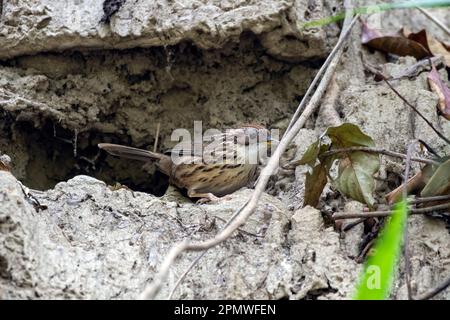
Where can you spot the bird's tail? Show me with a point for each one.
(130, 152)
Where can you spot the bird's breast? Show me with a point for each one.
(218, 179)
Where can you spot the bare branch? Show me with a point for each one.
(406, 252)
(158, 127)
(430, 199)
(413, 201)
(381, 151)
(200, 256)
(430, 294)
(372, 214)
(327, 111)
(348, 25)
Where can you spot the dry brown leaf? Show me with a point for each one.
(395, 44)
(415, 184)
(369, 34)
(443, 92)
(314, 184)
(431, 44)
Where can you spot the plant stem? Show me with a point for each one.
(372, 214)
(435, 20)
(381, 151)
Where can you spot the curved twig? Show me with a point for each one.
(199, 257)
(151, 290)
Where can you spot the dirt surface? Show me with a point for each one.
(95, 243)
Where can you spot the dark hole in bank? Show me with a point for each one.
(57, 154)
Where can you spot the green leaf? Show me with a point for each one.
(349, 135)
(372, 9)
(379, 270)
(355, 176)
(356, 169)
(310, 155)
(314, 184)
(439, 183)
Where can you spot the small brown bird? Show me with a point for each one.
(224, 166)
(110, 7)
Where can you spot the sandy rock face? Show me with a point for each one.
(69, 82)
(36, 26)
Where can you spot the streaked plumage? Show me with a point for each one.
(206, 175)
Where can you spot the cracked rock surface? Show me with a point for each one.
(32, 26)
(92, 242)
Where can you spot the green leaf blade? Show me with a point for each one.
(349, 135)
(356, 168)
(355, 178)
(379, 270)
